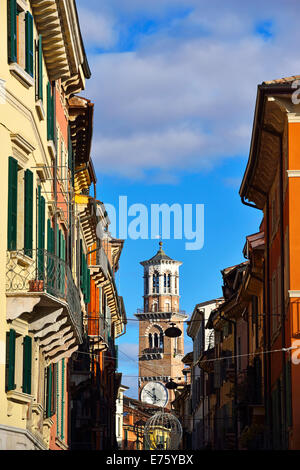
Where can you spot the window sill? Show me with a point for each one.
(21, 258)
(40, 110)
(51, 149)
(21, 75)
(19, 397)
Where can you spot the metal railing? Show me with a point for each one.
(99, 258)
(40, 271)
(153, 350)
(98, 327)
(141, 310)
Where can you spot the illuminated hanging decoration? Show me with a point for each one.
(163, 431)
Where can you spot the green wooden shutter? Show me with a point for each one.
(29, 43)
(50, 113)
(10, 360)
(12, 204)
(62, 398)
(12, 30)
(50, 262)
(88, 289)
(40, 68)
(71, 156)
(41, 234)
(27, 362)
(28, 222)
(49, 391)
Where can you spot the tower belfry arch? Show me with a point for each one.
(160, 356)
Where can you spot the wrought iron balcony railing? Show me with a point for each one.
(99, 258)
(98, 327)
(40, 271)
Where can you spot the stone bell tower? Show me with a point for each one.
(159, 355)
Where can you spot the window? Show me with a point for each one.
(28, 219)
(50, 113)
(20, 37)
(146, 285)
(161, 341)
(150, 341)
(27, 364)
(156, 283)
(12, 204)
(39, 69)
(10, 360)
(50, 390)
(169, 281)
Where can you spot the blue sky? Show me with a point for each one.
(174, 86)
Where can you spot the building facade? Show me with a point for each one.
(42, 65)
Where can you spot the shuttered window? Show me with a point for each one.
(50, 385)
(70, 156)
(40, 68)
(12, 30)
(12, 204)
(27, 362)
(50, 113)
(28, 219)
(10, 360)
(29, 43)
(41, 234)
(85, 276)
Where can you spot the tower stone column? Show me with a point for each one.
(159, 359)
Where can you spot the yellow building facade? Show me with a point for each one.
(42, 64)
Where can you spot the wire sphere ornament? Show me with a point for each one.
(163, 431)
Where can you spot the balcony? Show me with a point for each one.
(152, 353)
(40, 288)
(98, 331)
(98, 264)
(141, 313)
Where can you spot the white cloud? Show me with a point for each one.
(186, 101)
(98, 29)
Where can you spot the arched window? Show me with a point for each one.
(161, 341)
(155, 340)
(150, 341)
(169, 280)
(146, 285)
(156, 283)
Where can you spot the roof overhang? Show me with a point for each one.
(63, 49)
(274, 108)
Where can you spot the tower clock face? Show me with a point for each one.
(155, 393)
